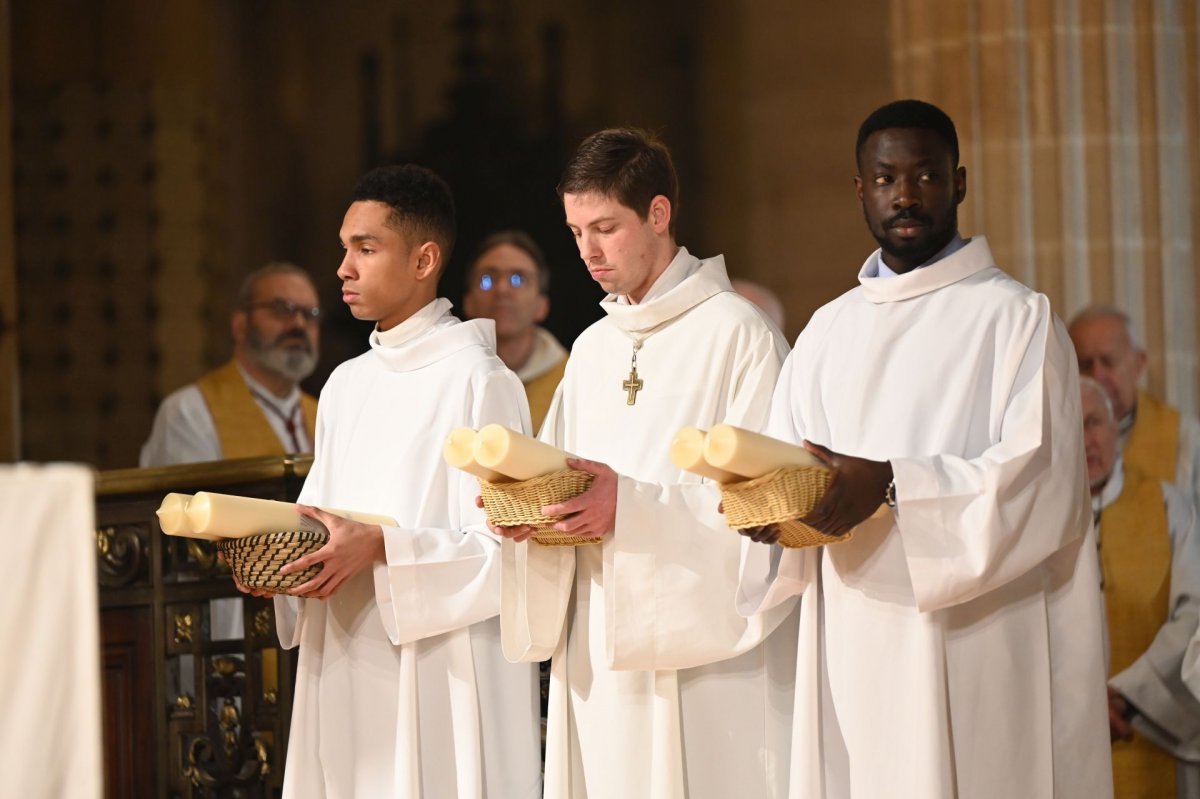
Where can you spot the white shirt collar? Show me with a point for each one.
(285, 405)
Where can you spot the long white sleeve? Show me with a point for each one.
(963, 521)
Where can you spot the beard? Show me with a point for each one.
(291, 354)
(921, 248)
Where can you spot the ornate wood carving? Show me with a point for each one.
(193, 707)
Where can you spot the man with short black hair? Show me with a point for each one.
(952, 646)
(253, 404)
(401, 689)
(658, 687)
(509, 282)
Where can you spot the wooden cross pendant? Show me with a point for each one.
(633, 385)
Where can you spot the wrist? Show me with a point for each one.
(889, 490)
(379, 550)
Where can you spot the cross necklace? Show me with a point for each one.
(633, 384)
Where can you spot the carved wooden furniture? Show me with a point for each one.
(197, 693)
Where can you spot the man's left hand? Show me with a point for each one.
(351, 548)
(594, 512)
(856, 489)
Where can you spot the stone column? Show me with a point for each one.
(1078, 124)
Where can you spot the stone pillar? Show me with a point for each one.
(1078, 121)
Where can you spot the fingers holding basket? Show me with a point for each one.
(594, 512)
(351, 548)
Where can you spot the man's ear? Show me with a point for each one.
(960, 184)
(858, 190)
(1139, 360)
(543, 309)
(659, 214)
(429, 260)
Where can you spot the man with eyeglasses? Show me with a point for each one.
(252, 405)
(509, 282)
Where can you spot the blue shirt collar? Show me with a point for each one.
(956, 244)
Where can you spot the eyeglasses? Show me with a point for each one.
(515, 280)
(285, 311)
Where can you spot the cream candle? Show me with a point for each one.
(515, 455)
(228, 516)
(743, 452)
(459, 452)
(172, 517)
(687, 453)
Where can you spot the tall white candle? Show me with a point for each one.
(229, 516)
(515, 455)
(743, 452)
(687, 453)
(459, 452)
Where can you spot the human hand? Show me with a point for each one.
(251, 591)
(766, 534)
(856, 489)
(351, 548)
(517, 532)
(593, 513)
(1119, 728)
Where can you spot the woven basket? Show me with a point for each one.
(512, 504)
(781, 497)
(257, 559)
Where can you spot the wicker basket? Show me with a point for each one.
(257, 559)
(512, 504)
(781, 498)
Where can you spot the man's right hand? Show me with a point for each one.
(251, 591)
(1119, 728)
(518, 533)
(766, 534)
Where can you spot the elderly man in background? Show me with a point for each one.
(1155, 438)
(252, 405)
(767, 301)
(509, 282)
(1150, 576)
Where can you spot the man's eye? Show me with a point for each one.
(485, 282)
(883, 180)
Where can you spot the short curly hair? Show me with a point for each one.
(908, 114)
(421, 202)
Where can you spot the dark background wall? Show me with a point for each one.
(160, 152)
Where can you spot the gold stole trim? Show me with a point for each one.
(308, 410)
(540, 392)
(242, 429)
(1135, 554)
(1153, 446)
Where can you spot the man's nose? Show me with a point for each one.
(906, 195)
(345, 270)
(587, 247)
